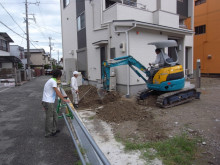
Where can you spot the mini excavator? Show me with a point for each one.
(167, 82)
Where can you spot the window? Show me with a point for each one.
(65, 3)
(199, 2)
(112, 53)
(200, 29)
(81, 22)
(4, 45)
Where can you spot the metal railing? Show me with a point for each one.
(88, 150)
(132, 3)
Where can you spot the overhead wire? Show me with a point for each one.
(17, 33)
(12, 17)
(37, 26)
(17, 25)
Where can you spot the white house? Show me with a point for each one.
(98, 30)
(18, 52)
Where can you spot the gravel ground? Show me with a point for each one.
(199, 118)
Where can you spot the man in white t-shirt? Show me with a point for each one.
(48, 102)
(74, 89)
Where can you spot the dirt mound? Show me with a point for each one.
(91, 99)
(130, 120)
(120, 111)
(133, 122)
(111, 97)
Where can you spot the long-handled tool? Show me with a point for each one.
(84, 94)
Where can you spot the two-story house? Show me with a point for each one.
(6, 60)
(8, 63)
(98, 30)
(18, 52)
(38, 57)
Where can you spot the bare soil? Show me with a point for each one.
(146, 122)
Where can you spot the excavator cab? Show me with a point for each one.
(165, 44)
(171, 76)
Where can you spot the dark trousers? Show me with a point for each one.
(51, 118)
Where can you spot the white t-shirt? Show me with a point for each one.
(49, 94)
(74, 84)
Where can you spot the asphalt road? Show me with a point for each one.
(22, 119)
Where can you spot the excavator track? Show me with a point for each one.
(172, 99)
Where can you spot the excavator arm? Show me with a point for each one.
(125, 60)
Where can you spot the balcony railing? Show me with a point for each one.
(132, 3)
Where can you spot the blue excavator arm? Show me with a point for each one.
(125, 60)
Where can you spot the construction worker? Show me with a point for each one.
(48, 102)
(160, 59)
(74, 89)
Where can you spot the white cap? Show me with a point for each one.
(75, 72)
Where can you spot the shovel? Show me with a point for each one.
(84, 95)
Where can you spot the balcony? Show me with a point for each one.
(138, 12)
(127, 11)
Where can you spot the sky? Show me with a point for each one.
(47, 24)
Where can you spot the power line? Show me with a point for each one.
(11, 29)
(12, 18)
(17, 33)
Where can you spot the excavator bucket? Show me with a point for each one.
(101, 93)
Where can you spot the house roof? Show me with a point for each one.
(9, 59)
(6, 36)
(152, 26)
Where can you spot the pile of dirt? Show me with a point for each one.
(111, 97)
(123, 110)
(132, 121)
(129, 120)
(91, 98)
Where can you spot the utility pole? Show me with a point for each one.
(58, 56)
(50, 45)
(28, 43)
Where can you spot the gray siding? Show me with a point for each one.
(81, 38)
(80, 7)
(81, 35)
(182, 8)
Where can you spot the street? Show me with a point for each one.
(22, 120)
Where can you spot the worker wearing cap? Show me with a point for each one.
(160, 59)
(74, 88)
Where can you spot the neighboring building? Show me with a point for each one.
(6, 60)
(53, 61)
(38, 57)
(4, 44)
(207, 35)
(9, 75)
(18, 52)
(94, 31)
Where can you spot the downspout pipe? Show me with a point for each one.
(128, 53)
